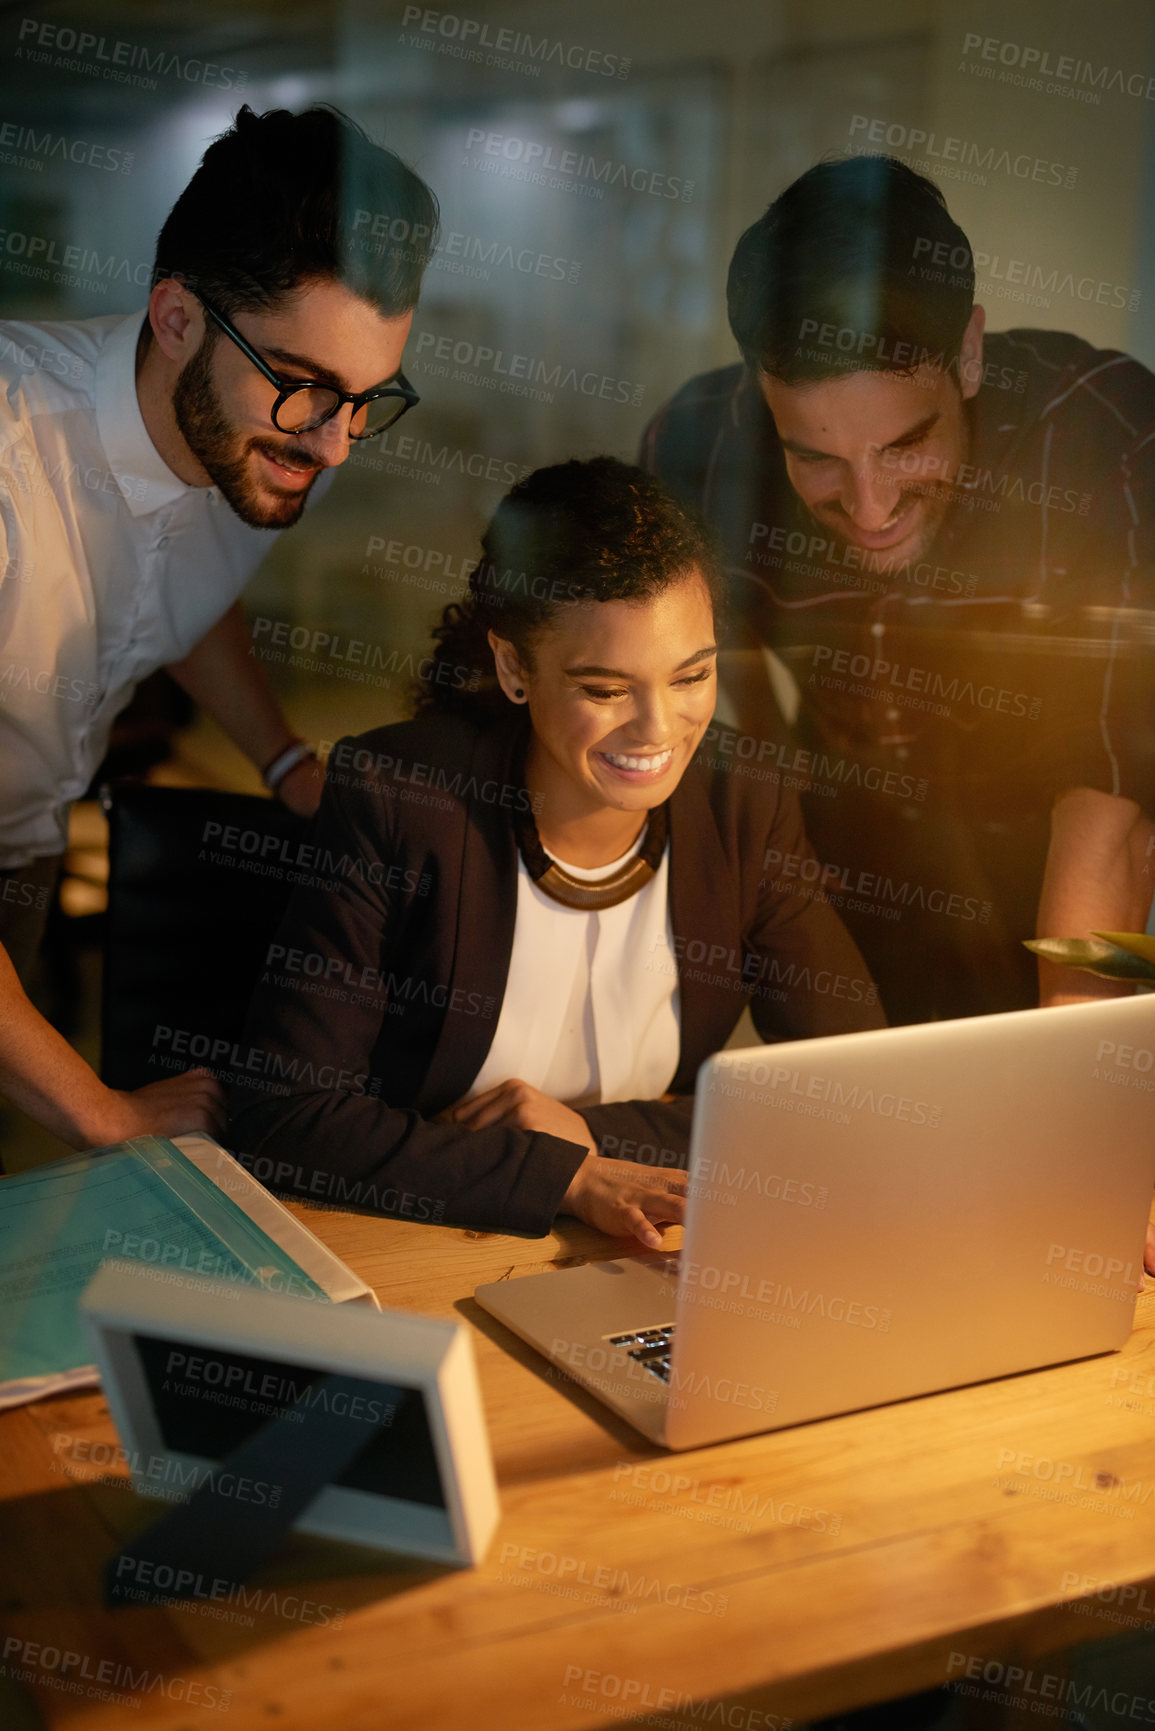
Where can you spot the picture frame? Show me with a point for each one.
(192, 1369)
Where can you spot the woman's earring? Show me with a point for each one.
(519, 693)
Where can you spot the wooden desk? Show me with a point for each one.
(792, 1574)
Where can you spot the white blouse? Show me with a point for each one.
(590, 1012)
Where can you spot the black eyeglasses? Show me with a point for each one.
(303, 404)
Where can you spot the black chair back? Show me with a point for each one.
(198, 881)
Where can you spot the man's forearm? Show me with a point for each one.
(40, 1073)
(44, 1076)
(222, 676)
(1098, 878)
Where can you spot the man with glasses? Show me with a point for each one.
(144, 459)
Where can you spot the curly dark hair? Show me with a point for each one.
(594, 530)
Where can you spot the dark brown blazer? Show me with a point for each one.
(384, 984)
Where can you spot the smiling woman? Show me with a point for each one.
(545, 912)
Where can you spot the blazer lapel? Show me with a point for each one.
(486, 911)
(707, 927)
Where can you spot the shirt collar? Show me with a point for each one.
(127, 445)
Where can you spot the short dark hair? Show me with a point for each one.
(282, 199)
(858, 266)
(594, 530)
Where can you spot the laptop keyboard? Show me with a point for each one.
(650, 1347)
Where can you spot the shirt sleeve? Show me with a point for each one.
(1114, 750)
(310, 1118)
(648, 1132)
(676, 443)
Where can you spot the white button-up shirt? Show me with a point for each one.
(112, 567)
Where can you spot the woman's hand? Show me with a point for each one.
(618, 1197)
(624, 1199)
(516, 1106)
(174, 1107)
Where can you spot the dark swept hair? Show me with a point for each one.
(598, 530)
(282, 199)
(856, 267)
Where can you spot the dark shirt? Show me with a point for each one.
(945, 703)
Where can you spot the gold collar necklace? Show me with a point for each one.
(552, 878)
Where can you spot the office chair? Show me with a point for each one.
(198, 881)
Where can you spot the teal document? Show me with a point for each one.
(142, 1201)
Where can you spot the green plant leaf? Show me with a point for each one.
(1094, 956)
(1135, 943)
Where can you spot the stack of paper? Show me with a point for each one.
(186, 1207)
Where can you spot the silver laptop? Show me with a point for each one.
(873, 1216)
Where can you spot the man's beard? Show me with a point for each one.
(218, 447)
(941, 497)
